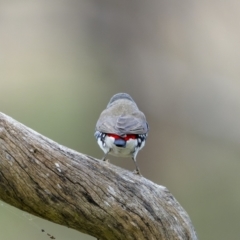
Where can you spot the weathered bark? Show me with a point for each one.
(46, 179)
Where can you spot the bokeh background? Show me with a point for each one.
(61, 61)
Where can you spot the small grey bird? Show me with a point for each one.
(122, 129)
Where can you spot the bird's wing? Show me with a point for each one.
(124, 124)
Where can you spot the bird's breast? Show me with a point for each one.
(120, 147)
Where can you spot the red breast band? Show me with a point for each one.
(128, 136)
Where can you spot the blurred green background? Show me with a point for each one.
(61, 61)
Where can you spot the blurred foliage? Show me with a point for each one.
(61, 61)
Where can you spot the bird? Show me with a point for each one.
(122, 129)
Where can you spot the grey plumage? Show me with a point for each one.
(121, 117)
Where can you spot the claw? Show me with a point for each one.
(137, 171)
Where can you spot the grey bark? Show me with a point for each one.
(56, 183)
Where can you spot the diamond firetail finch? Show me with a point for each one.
(122, 129)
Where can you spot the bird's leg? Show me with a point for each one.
(137, 170)
(104, 157)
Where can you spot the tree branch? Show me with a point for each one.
(46, 179)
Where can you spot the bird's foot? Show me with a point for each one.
(105, 160)
(137, 171)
